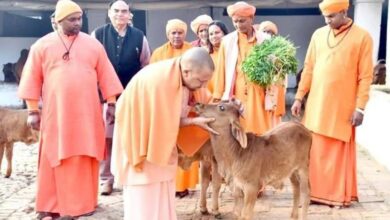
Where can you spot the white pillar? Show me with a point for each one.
(368, 16)
(388, 49)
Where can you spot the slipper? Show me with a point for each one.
(42, 215)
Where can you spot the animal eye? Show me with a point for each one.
(222, 108)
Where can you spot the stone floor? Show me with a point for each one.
(17, 196)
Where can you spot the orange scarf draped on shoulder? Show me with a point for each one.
(166, 51)
(191, 138)
(148, 115)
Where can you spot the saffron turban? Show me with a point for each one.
(176, 24)
(241, 9)
(65, 8)
(333, 6)
(268, 26)
(201, 19)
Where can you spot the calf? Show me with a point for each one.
(208, 166)
(13, 128)
(249, 162)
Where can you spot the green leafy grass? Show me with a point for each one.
(271, 61)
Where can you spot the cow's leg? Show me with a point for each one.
(2, 146)
(8, 153)
(238, 200)
(216, 182)
(294, 178)
(250, 196)
(205, 172)
(304, 190)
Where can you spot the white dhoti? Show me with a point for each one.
(150, 194)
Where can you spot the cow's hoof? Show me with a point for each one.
(218, 215)
(204, 211)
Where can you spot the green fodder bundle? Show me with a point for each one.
(271, 61)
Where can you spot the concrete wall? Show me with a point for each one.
(366, 16)
(96, 18)
(373, 134)
(388, 48)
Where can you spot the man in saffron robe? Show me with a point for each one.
(200, 27)
(176, 31)
(231, 80)
(64, 69)
(148, 116)
(338, 73)
(276, 114)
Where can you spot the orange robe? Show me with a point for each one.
(145, 139)
(71, 125)
(185, 178)
(280, 109)
(256, 118)
(211, 83)
(338, 73)
(166, 51)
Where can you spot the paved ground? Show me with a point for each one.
(17, 196)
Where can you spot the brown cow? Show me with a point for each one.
(208, 172)
(13, 128)
(18, 66)
(248, 162)
(380, 73)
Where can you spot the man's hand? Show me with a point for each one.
(357, 118)
(34, 120)
(110, 113)
(202, 122)
(296, 108)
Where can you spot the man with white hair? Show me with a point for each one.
(128, 51)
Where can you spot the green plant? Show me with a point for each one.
(271, 61)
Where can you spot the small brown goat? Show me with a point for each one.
(208, 166)
(249, 162)
(13, 128)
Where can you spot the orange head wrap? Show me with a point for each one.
(64, 8)
(268, 26)
(241, 9)
(201, 19)
(176, 24)
(333, 6)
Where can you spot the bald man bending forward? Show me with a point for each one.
(146, 129)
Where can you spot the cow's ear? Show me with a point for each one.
(238, 133)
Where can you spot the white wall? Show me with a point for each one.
(10, 49)
(373, 134)
(299, 30)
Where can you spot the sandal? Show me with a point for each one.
(66, 217)
(182, 194)
(42, 215)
